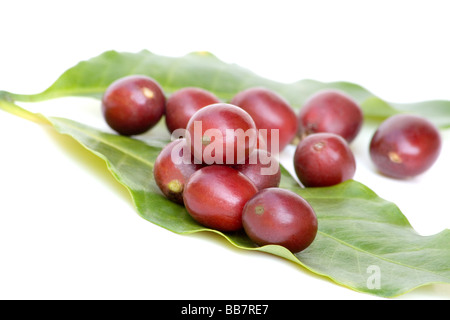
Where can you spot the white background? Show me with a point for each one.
(68, 230)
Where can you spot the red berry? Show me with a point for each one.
(405, 146)
(278, 216)
(182, 105)
(172, 169)
(331, 111)
(132, 105)
(270, 111)
(221, 133)
(216, 195)
(262, 168)
(323, 159)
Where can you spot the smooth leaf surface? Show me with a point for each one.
(359, 233)
(202, 69)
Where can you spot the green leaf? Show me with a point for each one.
(364, 242)
(202, 69)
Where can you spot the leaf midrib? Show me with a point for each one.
(98, 139)
(380, 257)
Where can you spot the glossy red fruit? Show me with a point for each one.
(172, 169)
(331, 111)
(262, 168)
(278, 216)
(221, 133)
(405, 146)
(270, 111)
(323, 159)
(182, 105)
(132, 105)
(216, 195)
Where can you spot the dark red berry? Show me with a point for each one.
(331, 111)
(221, 133)
(216, 195)
(323, 159)
(405, 146)
(182, 105)
(132, 105)
(172, 169)
(270, 111)
(262, 168)
(281, 217)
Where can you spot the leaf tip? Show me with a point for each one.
(6, 96)
(202, 54)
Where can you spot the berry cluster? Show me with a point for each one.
(222, 163)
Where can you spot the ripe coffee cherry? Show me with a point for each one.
(132, 105)
(270, 111)
(331, 111)
(221, 133)
(215, 197)
(323, 159)
(278, 216)
(405, 145)
(262, 168)
(182, 104)
(173, 168)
